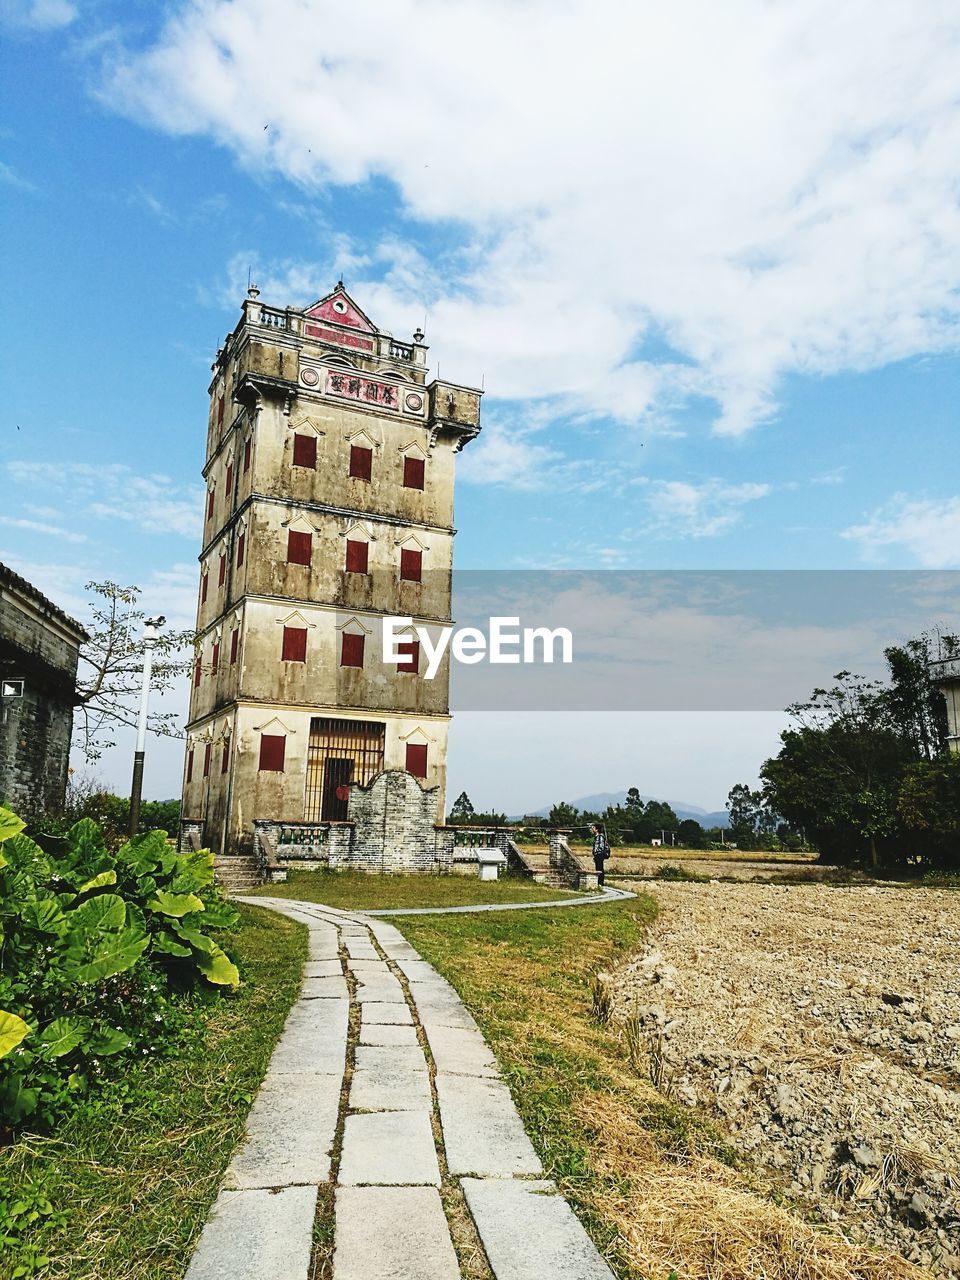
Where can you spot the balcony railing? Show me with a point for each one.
(945, 670)
(401, 351)
(273, 318)
(302, 833)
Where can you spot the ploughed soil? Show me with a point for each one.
(820, 1027)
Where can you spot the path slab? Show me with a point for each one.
(392, 1233)
(257, 1235)
(314, 1039)
(460, 1052)
(389, 1148)
(482, 1131)
(390, 1079)
(441, 1008)
(323, 945)
(528, 1231)
(324, 988)
(417, 970)
(360, 948)
(385, 1034)
(290, 1132)
(379, 989)
(323, 969)
(395, 1014)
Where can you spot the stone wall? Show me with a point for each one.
(395, 825)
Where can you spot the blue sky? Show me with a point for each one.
(706, 264)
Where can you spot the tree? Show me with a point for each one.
(634, 802)
(111, 667)
(929, 806)
(918, 708)
(563, 815)
(462, 810)
(747, 818)
(692, 834)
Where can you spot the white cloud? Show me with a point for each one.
(38, 15)
(11, 178)
(153, 503)
(927, 528)
(39, 526)
(759, 188)
(679, 509)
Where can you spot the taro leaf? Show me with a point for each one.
(115, 952)
(219, 915)
(199, 941)
(106, 1041)
(216, 966)
(86, 839)
(64, 1034)
(25, 854)
(10, 824)
(45, 915)
(175, 904)
(16, 1102)
(12, 1031)
(139, 857)
(98, 881)
(168, 946)
(198, 866)
(98, 915)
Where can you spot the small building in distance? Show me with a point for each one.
(330, 474)
(39, 651)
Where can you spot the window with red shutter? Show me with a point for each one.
(196, 672)
(413, 473)
(410, 649)
(234, 644)
(207, 752)
(357, 556)
(220, 412)
(417, 759)
(299, 547)
(305, 451)
(225, 758)
(222, 571)
(410, 565)
(294, 644)
(211, 494)
(272, 749)
(361, 462)
(241, 548)
(190, 765)
(230, 481)
(351, 650)
(215, 661)
(203, 589)
(246, 455)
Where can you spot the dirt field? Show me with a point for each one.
(821, 1027)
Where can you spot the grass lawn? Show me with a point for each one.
(657, 1188)
(359, 891)
(132, 1174)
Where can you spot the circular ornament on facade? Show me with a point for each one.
(309, 377)
(413, 402)
(340, 306)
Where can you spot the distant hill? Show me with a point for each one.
(602, 800)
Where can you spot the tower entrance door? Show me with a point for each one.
(340, 754)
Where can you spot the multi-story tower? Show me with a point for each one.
(330, 473)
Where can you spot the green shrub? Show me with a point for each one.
(92, 944)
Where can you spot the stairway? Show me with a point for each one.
(535, 863)
(236, 872)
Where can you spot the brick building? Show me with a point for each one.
(330, 476)
(39, 649)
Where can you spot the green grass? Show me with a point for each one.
(132, 1174)
(359, 891)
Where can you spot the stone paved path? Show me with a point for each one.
(351, 1104)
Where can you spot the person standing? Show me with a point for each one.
(601, 850)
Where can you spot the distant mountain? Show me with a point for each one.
(603, 799)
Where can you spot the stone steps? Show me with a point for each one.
(237, 871)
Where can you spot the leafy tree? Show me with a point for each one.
(563, 815)
(929, 806)
(111, 669)
(634, 803)
(462, 810)
(917, 707)
(692, 834)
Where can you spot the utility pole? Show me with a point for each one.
(150, 628)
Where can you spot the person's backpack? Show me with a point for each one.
(605, 849)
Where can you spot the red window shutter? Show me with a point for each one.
(215, 663)
(357, 556)
(305, 451)
(190, 765)
(211, 494)
(196, 673)
(222, 571)
(203, 589)
(413, 473)
(294, 644)
(225, 758)
(230, 481)
(417, 759)
(246, 455)
(272, 749)
(220, 412)
(361, 462)
(241, 548)
(234, 644)
(410, 565)
(207, 752)
(351, 650)
(299, 547)
(411, 656)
